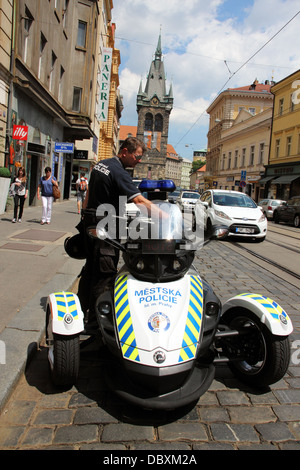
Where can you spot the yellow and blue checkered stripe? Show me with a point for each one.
(124, 321)
(194, 319)
(273, 308)
(66, 302)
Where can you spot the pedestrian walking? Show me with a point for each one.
(45, 189)
(81, 189)
(20, 194)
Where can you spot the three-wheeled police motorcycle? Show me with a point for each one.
(165, 328)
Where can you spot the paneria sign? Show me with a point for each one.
(104, 84)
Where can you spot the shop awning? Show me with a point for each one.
(266, 179)
(285, 179)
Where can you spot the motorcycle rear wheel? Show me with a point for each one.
(259, 357)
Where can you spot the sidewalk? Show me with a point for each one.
(33, 264)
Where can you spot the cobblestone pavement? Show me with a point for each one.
(228, 416)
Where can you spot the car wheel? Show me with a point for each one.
(259, 240)
(209, 228)
(276, 218)
(297, 220)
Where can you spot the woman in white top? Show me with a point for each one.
(21, 194)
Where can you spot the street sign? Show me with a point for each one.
(243, 175)
(20, 132)
(64, 147)
(242, 184)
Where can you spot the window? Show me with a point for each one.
(236, 158)
(77, 92)
(281, 106)
(229, 161)
(252, 111)
(64, 13)
(277, 148)
(243, 158)
(158, 123)
(27, 26)
(60, 86)
(288, 146)
(292, 104)
(81, 34)
(43, 42)
(148, 122)
(252, 150)
(223, 161)
(52, 72)
(261, 154)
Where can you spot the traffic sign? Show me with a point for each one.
(243, 174)
(242, 184)
(64, 147)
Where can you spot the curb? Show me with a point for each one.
(23, 334)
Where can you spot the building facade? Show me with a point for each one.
(154, 106)
(6, 21)
(282, 174)
(186, 167)
(244, 153)
(173, 166)
(55, 57)
(223, 111)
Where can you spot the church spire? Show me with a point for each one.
(158, 52)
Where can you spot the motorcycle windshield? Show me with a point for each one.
(164, 225)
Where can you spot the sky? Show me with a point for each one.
(205, 45)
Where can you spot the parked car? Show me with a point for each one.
(268, 206)
(288, 212)
(172, 197)
(187, 200)
(234, 209)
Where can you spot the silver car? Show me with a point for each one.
(187, 200)
(269, 205)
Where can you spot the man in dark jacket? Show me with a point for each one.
(108, 182)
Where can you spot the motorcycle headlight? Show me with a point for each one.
(222, 215)
(211, 309)
(262, 218)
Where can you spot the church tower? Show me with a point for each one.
(154, 106)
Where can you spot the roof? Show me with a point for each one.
(171, 152)
(255, 87)
(203, 168)
(127, 131)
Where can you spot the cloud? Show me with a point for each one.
(204, 46)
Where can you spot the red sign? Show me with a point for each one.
(20, 132)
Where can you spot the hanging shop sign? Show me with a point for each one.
(20, 132)
(104, 84)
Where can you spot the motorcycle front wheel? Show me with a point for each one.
(64, 359)
(257, 357)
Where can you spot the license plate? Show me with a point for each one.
(158, 247)
(244, 230)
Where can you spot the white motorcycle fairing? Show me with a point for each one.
(66, 313)
(266, 309)
(159, 324)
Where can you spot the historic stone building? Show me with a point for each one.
(154, 106)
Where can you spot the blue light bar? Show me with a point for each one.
(160, 185)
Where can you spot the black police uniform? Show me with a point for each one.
(109, 180)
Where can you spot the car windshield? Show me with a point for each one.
(191, 195)
(233, 200)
